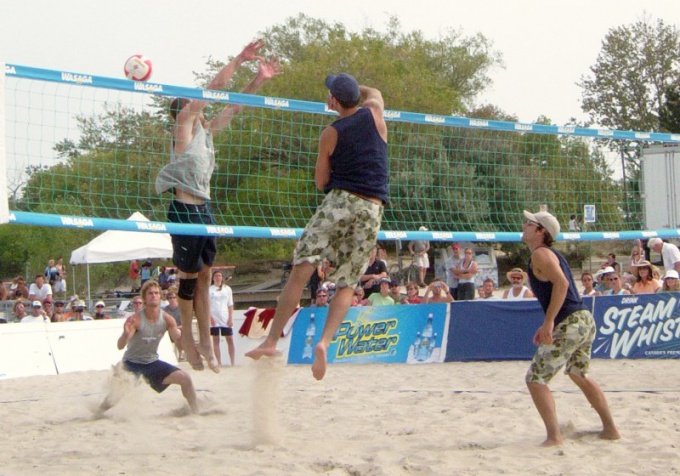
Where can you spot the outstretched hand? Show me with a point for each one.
(268, 69)
(249, 53)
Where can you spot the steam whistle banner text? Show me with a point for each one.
(381, 334)
(637, 326)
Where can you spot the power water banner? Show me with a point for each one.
(639, 326)
(380, 334)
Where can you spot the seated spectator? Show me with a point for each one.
(321, 299)
(487, 289)
(78, 311)
(99, 311)
(602, 279)
(587, 280)
(18, 289)
(382, 298)
(518, 290)
(58, 315)
(437, 291)
(395, 292)
(358, 297)
(671, 283)
(375, 271)
(616, 284)
(19, 310)
(39, 290)
(412, 294)
(37, 314)
(644, 281)
(48, 308)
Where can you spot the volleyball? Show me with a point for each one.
(138, 68)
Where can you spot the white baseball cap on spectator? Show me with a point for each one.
(36, 304)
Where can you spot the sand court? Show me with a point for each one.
(264, 418)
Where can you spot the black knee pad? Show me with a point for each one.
(186, 288)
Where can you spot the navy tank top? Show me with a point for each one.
(359, 161)
(543, 291)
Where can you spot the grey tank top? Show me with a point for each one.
(143, 346)
(191, 170)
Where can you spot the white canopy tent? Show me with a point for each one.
(115, 245)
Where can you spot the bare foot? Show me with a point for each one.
(552, 442)
(262, 350)
(319, 365)
(612, 434)
(192, 356)
(207, 352)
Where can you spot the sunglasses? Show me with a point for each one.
(613, 279)
(531, 222)
(137, 302)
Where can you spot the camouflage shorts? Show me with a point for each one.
(572, 342)
(344, 229)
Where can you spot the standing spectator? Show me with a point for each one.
(51, 272)
(588, 281)
(611, 262)
(163, 278)
(145, 273)
(59, 287)
(437, 291)
(412, 296)
(382, 254)
(518, 290)
(671, 283)
(466, 272)
(317, 277)
(574, 225)
(381, 298)
(222, 313)
(4, 293)
(486, 289)
(669, 253)
(39, 290)
(321, 299)
(173, 309)
(395, 292)
(451, 265)
(37, 314)
(375, 271)
(567, 333)
(19, 310)
(99, 311)
(645, 282)
(637, 254)
(419, 249)
(133, 273)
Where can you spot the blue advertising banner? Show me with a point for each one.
(380, 334)
(493, 330)
(639, 326)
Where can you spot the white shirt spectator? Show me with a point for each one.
(671, 256)
(39, 293)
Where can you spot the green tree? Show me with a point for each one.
(635, 70)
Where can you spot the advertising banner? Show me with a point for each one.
(638, 326)
(380, 334)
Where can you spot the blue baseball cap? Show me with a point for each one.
(343, 87)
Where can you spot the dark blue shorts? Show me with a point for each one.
(222, 331)
(191, 253)
(154, 373)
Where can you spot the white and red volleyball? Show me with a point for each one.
(138, 68)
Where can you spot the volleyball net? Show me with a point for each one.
(83, 151)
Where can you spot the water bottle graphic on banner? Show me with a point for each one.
(308, 350)
(416, 346)
(426, 341)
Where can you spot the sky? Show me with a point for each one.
(547, 46)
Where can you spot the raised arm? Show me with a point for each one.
(373, 100)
